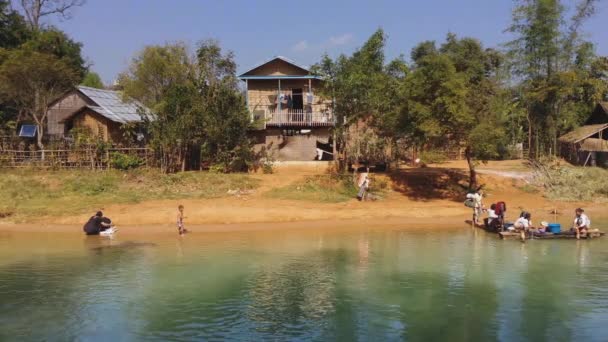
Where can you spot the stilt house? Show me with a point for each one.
(294, 122)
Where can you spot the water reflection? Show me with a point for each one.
(315, 285)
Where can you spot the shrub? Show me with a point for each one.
(123, 161)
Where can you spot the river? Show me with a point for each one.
(339, 284)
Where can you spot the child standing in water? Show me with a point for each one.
(180, 220)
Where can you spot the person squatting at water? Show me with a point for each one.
(523, 224)
(97, 224)
(180, 220)
(582, 223)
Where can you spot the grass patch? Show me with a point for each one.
(27, 193)
(529, 189)
(325, 188)
(576, 183)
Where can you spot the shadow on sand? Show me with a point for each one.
(425, 184)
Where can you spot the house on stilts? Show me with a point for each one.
(588, 144)
(293, 122)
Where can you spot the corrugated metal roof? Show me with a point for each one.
(111, 105)
(581, 133)
(284, 59)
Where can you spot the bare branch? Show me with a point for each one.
(35, 10)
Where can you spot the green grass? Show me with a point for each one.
(321, 188)
(576, 184)
(29, 193)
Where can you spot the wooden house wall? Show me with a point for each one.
(98, 126)
(63, 109)
(263, 94)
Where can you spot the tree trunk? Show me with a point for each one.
(472, 172)
(39, 137)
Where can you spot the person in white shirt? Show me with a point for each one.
(582, 223)
(523, 224)
(492, 220)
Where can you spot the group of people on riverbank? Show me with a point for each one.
(496, 215)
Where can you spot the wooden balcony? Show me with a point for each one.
(298, 118)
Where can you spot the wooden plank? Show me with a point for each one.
(548, 236)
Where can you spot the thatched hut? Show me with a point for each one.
(588, 144)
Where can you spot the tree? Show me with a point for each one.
(197, 105)
(32, 81)
(358, 84)
(92, 79)
(13, 30)
(547, 56)
(55, 42)
(35, 10)
(449, 99)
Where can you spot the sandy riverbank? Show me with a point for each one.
(410, 202)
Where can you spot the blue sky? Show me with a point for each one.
(112, 31)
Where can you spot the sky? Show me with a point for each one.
(113, 31)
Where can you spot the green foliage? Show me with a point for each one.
(32, 80)
(196, 102)
(13, 29)
(362, 87)
(561, 79)
(93, 80)
(123, 161)
(30, 194)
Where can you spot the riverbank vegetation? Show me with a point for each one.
(30, 193)
(574, 183)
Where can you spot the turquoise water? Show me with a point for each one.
(343, 284)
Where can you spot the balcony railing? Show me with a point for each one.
(298, 117)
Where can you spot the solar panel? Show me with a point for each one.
(28, 131)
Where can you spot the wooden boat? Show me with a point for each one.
(510, 235)
(594, 233)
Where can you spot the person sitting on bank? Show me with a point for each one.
(97, 224)
(492, 221)
(582, 223)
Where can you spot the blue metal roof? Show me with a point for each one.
(111, 105)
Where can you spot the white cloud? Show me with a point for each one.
(300, 46)
(341, 40)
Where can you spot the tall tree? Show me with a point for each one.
(55, 42)
(449, 100)
(358, 85)
(36, 10)
(32, 81)
(544, 57)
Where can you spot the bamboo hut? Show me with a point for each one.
(588, 144)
